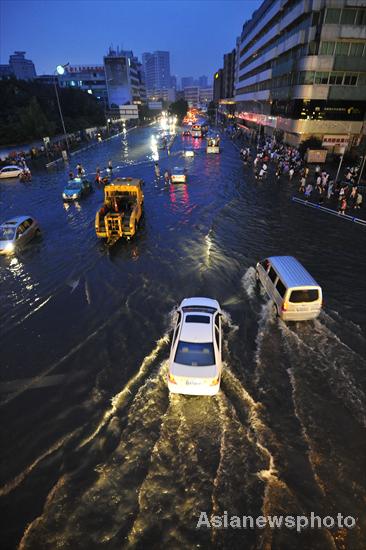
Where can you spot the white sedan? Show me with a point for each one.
(195, 363)
(179, 175)
(10, 171)
(16, 233)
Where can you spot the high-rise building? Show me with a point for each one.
(301, 69)
(22, 68)
(202, 81)
(218, 85)
(206, 95)
(156, 67)
(192, 96)
(123, 78)
(228, 74)
(187, 82)
(173, 82)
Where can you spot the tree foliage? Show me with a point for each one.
(179, 108)
(28, 111)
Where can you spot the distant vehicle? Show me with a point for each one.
(213, 144)
(16, 233)
(122, 210)
(195, 362)
(76, 189)
(199, 128)
(179, 175)
(10, 171)
(296, 295)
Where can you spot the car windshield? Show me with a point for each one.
(178, 170)
(73, 185)
(195, 354)
(7, 233)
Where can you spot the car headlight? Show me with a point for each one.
(75, 196)
(9, 247)
(64, 196)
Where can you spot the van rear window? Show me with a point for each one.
(298, 296)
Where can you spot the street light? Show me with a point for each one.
(60, 70)
(344, 149)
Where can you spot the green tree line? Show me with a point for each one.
(29, 111)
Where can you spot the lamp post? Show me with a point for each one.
(344, 149)
(60, 70)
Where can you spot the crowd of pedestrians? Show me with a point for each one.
(316, 184)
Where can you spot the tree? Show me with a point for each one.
(311, 143)
(179, 108)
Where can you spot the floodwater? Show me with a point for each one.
(95, 451)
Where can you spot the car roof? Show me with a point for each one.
(291, 271)
(12, 166)
(17, 220)
(196, 332)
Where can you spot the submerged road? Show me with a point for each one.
(95, 452)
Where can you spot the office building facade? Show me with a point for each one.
(123, 74)
(301, 69)
(88, 78)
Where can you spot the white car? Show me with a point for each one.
(10, 171)
(17, 232)
(179, 175)
(195, 363)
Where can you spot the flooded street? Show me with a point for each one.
(96, 452)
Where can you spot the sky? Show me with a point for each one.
(196, 32)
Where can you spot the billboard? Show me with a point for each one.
(118, 85)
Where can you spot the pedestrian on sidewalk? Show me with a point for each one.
(308, 191)
(157, 170)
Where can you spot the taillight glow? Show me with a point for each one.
(215, 381)
(171, 378)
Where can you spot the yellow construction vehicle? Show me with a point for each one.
(122, 210)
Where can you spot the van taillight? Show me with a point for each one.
(284, 307)
(171, 378)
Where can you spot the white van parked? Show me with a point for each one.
(296, 295)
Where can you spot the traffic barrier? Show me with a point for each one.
(329, 211)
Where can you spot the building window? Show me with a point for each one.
(350, 79)
(321, 78)
(348, 16)
(336, 79)
(327, 48)
(333, 15)
(342, 48)
(361, 17)
(356, 49)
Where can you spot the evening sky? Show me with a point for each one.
(196, 32)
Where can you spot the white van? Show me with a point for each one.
(296, 295)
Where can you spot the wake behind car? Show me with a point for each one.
(12, 171)
(195, 363)
(16, 233)
(76, 188)
(179, 175)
